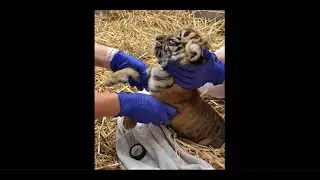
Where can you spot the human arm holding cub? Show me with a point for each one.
(194, 76)
(143, 108)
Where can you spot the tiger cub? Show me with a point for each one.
(196, 120)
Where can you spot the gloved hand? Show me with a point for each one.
(193, 76)
(122, 60)
(145, 108)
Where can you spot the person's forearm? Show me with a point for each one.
(106, 104)
(103, 55)
(220, 54)
(217, 91)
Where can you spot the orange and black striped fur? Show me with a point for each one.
(196, 120)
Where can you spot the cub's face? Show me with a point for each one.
(167, 47)
(183, 47)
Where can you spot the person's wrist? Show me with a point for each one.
(102, 54)
(221, 76)
(220, 54)
(111, 57)
(216, 70)
(118, 60)
(124, 101)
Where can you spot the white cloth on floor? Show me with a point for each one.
(160, 149)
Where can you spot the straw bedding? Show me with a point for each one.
(134, 32)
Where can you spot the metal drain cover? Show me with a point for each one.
(137, 152)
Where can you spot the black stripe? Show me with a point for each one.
(179, 48)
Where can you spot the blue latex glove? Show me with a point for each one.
(192, 76)
(122, 60)
(145, 108)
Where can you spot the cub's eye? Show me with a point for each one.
(186, 33)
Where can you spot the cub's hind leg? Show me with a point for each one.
(129, 123)
(216, 136)
(122, 76)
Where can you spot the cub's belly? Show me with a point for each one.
(189, 124)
